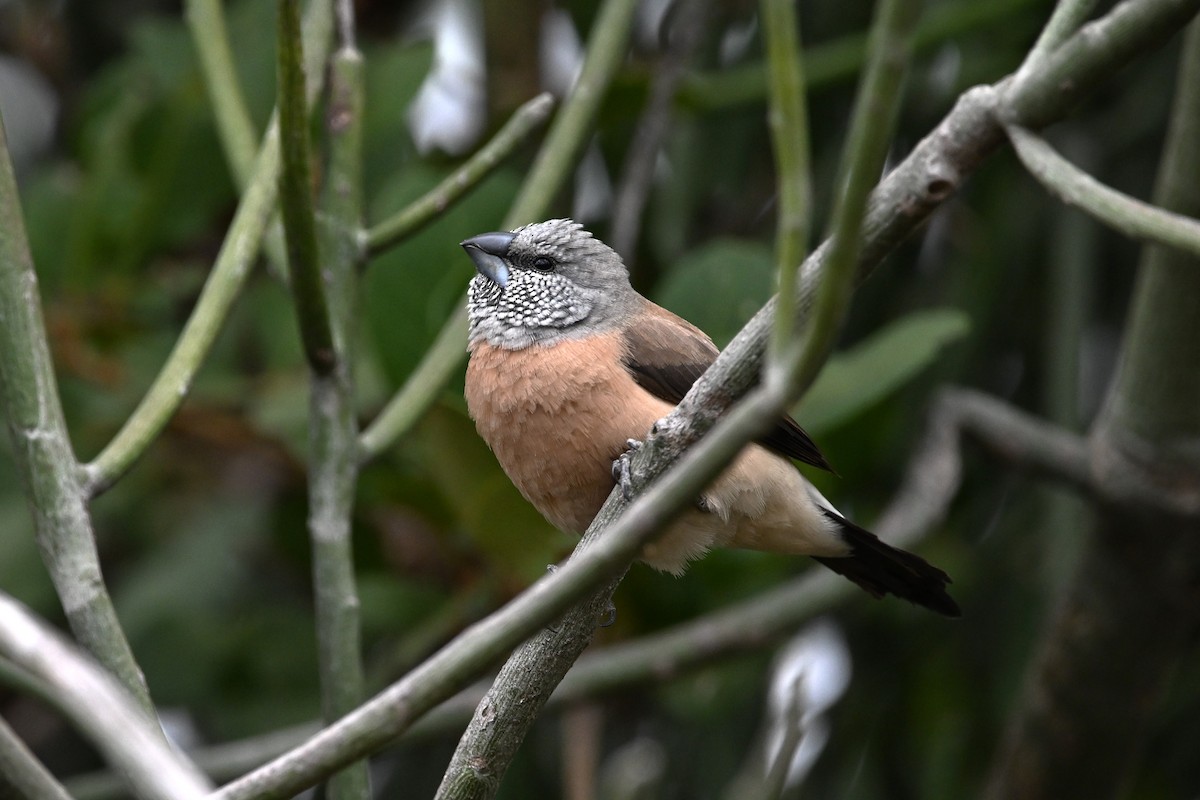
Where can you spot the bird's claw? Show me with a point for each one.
(610, 615)
(621, 469)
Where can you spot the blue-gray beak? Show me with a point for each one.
(488, 251)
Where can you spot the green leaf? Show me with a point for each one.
(857, 378)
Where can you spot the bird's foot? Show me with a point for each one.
(621, 469)
(610, 615)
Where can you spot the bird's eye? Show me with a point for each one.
(543, 263)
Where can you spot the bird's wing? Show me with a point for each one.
(665, 354)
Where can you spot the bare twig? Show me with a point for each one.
(92, 700)
(22, 776)
(412, 218)
(1119, 211)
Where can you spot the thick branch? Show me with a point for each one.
(46, 463)
(333, 427)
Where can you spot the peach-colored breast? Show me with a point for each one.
(556, 417)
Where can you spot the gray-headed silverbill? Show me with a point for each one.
(568, 363)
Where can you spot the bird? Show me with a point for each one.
(568, 366)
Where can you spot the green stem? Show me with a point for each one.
(841, 59)
(295, 196)
(870, 131)
(239, 139)
(788, 117)
(333, 425)
(417, 394)
(210, 37)
(528, 118)
(1118, 211)
(41, 445)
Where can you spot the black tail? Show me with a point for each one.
(882, 569)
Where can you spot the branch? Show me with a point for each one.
(41, 445)
(295, 196)
(106, 714)
(22, 776)
(333, 427)
(223, 286)
(406, 222)
(787, 116)
(1118, 211)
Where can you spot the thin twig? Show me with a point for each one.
(787, 114)
(416, 215)
(1118, 211)
(295, 196)
(22, 775)
(92, 700)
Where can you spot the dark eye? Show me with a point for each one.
(543, 263)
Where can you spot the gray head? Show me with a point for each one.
(543, 283)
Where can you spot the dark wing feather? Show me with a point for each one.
(665, 354)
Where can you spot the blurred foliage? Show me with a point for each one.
(204, 542)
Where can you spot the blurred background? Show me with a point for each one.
(127, 197)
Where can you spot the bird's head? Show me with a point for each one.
(544, 282)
